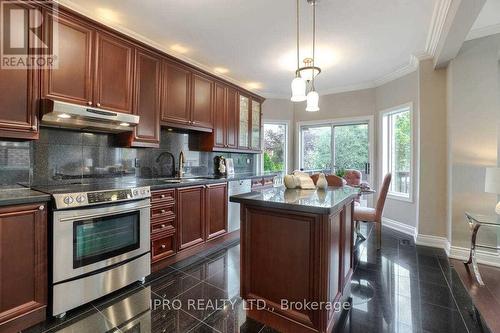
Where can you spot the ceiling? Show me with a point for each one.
(488, 21)
(358, 41)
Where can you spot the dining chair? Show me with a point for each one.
(367, 214)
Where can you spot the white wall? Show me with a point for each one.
(473, 130)
(389, 95)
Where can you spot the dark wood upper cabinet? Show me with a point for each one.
(216, 210)
(23, 266)
(114, 73)
(219, 111)
(191, 216)
(71, 80)
(243, 122)
(18, 93)
(176, 92)
(232, 118)
(147, 99)
(255, 127)
(202, 101)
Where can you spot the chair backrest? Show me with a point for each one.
(382, 196)
(353, 177)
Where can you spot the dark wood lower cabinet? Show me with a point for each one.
(23, 266)
(185, 218)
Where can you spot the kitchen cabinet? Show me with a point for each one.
(256, 125)
(23, 266)
(71, 81)
(232, 118)
(216, 210)
(191, 216)
(202, 101)
(163, 225)
(113, 73)
(244, 122)
(175, 103)
(146, 101)
(220, 118)
(19, 95)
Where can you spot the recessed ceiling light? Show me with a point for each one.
(108, 15)
(221, 70)
(64, 115)
(179, 48)
(253, 85)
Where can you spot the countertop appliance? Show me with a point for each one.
(100, 241)
(236, 187)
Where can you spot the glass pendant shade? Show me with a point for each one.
(298, 90)
(312, 101)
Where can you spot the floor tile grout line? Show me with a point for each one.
(453, 296)
(198, 320)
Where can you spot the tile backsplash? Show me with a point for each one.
(65, 156)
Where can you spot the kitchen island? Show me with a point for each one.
(297, 256)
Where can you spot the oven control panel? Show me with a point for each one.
(71, 200)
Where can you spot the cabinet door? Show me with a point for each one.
(114, 73)
(244, 122)
(216, 210)
(23, 266)
(347, 243)
(71, 80)
(232, 118)
(147, 98)
(18, 93)
(220, 116)
(256, 125)
(201, 106)
(176, 92)
(191, 216)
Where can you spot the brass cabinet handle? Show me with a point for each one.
(163, 196)
(89, 102)
(163, 226)
(163, 246)
(163, 211)
(42, 207)
(98, 104)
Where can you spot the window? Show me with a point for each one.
(397, 150)
(275, 147)
(316, 147)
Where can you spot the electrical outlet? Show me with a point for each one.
(136, 163)
(248, 161)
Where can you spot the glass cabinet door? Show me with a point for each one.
(244, 140)
(255, 125)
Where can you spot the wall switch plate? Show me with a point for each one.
(136, 163)
(248, 161)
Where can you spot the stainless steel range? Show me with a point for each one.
(100, 241)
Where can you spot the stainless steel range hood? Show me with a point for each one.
(66, 115)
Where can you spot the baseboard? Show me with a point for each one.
(398, 226)
(433, 241)
(483, 257)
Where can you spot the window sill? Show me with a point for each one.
(399, 197)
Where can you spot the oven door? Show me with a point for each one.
(92, 239)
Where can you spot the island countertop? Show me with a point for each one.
(311, 201)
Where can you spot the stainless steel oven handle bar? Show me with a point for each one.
(73, 218)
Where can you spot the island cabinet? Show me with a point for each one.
(296, 248)
(23, 266)
(19, 91)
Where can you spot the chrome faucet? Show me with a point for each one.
(181, 164)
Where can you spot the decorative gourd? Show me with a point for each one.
(322, 183)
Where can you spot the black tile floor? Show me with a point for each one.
(402, 288)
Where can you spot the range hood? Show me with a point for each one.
(66, 115)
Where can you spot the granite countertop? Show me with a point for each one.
(311, 201)
(20, 195)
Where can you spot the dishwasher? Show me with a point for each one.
(236, 187)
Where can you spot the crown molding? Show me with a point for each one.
(120, 28)
(441, 10)
(483, 32)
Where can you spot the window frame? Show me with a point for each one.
(287, 136)
(386, 136)
(368, 119)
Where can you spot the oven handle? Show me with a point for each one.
(79, 217)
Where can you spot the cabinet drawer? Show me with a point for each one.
(162, 247)
(162, 226)
(166, 211)
(163, 196)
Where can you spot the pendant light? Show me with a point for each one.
(298, 84)
(312, 96)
